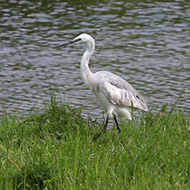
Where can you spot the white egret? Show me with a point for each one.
(115, 95)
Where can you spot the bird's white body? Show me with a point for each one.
(115, 95)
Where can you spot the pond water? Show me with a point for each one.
(145, 42)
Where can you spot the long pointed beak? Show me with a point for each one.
(69, 42)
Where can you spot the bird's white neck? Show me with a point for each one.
(85, 71)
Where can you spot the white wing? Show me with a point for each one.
(118, 91)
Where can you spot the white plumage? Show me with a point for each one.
(115, 95)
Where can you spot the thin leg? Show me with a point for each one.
(106, 124)
(117, 124)
(103, 130)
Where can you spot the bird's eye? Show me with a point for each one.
(137, 96)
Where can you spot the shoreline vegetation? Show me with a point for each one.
(55, 150)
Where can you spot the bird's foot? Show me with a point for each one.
(98, 135)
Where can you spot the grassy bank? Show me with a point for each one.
(54, 150)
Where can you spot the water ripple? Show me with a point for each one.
(145, 43)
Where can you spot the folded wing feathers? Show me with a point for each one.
(121, 93)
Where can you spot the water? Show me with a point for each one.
(146, 42)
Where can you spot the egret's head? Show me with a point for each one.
(86, 38)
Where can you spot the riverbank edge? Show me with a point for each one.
(54, 149)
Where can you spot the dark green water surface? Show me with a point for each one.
(145, 42)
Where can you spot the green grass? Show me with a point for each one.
(55, 150)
